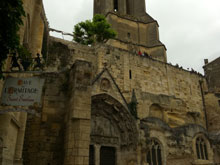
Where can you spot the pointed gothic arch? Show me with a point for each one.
(106, 110)
(154, 153)
(201, 147)
(113, 128)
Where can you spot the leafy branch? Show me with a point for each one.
(90, 32)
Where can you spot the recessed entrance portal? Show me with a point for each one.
(107, 156)
(113, 130)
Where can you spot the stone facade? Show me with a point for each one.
(107, 105)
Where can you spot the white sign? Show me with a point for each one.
(22, 91)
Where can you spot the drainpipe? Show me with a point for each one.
(203, 103)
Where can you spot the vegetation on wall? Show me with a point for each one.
(11, 12)
(90, 32)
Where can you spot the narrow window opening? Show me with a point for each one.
(115, 5)
(159, 155)
(128, 7)
(129, 35)
(202, 153)
(149, 157)
(130, 74)
(206, 153)
(197, 150)
(154, 156)
(219, 102)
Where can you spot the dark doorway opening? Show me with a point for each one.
(91, 155)
(107, 156)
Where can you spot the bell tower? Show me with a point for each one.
(136, 30)
(128, 7)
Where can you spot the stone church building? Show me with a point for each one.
(118, 103)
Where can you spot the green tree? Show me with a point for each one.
(97, 30)
(11, 12)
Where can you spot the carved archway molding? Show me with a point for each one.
(112, 123)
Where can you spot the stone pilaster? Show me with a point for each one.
(97, 154)
(77, 135)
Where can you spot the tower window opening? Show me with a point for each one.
(219, 102)
(115, 5)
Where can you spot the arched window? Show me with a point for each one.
(154, 156)
(201, 149)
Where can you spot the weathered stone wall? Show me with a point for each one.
(178, 144)
(176, 90)
(212, 74)
(213, 111)
(44, 137)
(162, 91)
(88, 94)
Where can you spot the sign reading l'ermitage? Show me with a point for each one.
(22, 91)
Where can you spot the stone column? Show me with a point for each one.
(97, 154)
(20, 139)
(77, 135)
(118, 155)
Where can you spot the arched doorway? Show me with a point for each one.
(113, 131)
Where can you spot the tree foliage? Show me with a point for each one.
(97, 30)
(11, 12)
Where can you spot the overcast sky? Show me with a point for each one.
(190, 29)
